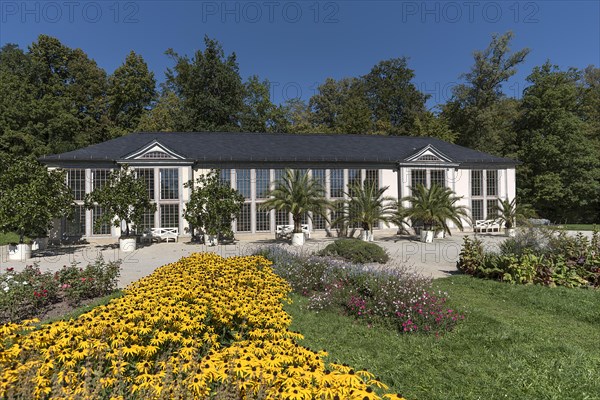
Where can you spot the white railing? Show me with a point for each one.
(165, 233)
(487, 225)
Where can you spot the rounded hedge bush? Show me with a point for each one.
(356, 251)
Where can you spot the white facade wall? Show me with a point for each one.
(397, 181)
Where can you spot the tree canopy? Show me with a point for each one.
(54, 99)
(213, 205)
(123, 198)
(31, 196)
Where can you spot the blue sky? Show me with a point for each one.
(297, 44)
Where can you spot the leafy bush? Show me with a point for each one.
(530, 240)
(95, 280)
(396, 297)
(542, 257)
(25, 293)
(31, 292)
(304, 274)
(356, 251)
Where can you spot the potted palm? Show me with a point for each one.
(509, 212)
(435, 207)
(212, 206)
(124, 199)
(299, 195)
(401, 218)
(31, 198)
(366, 206)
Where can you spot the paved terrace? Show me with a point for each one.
(437, 259)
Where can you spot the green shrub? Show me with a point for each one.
(544, 258)
(356, 251)
(25, 293)
(470, 260)
(32, 292)
(95, 280)
(304, 274)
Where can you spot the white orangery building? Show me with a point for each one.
(250, 162)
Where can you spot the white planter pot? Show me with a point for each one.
(298, 239)
(211, 240)
(440, 234)
(426, 236)
(510, 232)
(39, 244)
(127, 244)
(366, 236)
(19, 252)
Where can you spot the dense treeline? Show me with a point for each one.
(54, 99)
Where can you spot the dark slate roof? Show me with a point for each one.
(220, 147)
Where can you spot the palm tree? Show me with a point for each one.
(367, 206)
(299, 195)
(436, 207)
(511, 212)
(401, 217)
(507, 212)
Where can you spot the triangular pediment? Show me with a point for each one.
(429, 155)
(154, 151)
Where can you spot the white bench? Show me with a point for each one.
(285, 231)
(163, 234)
(487, 225)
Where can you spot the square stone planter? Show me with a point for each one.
(19, 252)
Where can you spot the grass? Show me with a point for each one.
(525, 342)
(580, 227)
(6, 238)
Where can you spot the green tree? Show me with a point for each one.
(435, 207)
(17, 100)
(590, 101)
(560, 175)
(299, 195)
(212, 205)
(297, 117)
(259, 113)
(71, 96)
(478, 109)
(367, 206)
(164, 115)
(394, 101)
(131, 90)
(432, 125)
(210, 88)
(340, 107)
(123, 198)
(31, 196)
(53, 98)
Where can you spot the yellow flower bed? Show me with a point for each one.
(203, 327)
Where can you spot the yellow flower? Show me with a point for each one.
(199, 323)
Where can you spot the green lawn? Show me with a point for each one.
(580, 227)
(517, 342)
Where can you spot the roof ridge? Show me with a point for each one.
(284, 134)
